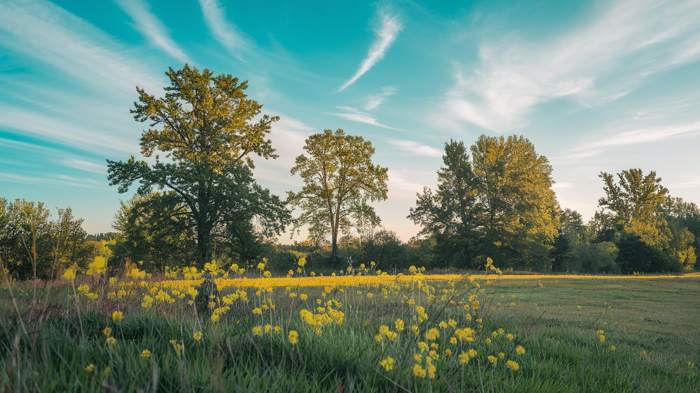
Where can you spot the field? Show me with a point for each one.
(365, 332)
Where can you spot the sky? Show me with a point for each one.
(596, 86)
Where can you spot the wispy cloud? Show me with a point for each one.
(415, 148)
(152, 28)
(86, 166)
(46, 33)
(57, 180)
(598, 63)
(353, 114)
(32, 122)
(637, 136)
(386, 32)
(375, 100)
(224, 32)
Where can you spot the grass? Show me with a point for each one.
(652, 322)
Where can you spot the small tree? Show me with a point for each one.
(340, 180)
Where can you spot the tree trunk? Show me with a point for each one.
(334, 244)
(203, 244)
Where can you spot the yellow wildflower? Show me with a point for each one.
(293, 337)
(387, 363)
(117, 316)
(512, 365)
(419, 371)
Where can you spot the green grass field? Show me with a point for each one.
(653, 324)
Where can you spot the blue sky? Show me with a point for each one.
(595, 85)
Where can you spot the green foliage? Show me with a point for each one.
(594, 258)
(498, 204)
(340, 180)
(33, 245)
(650, 228)
(208, 131)
(636, 256)
(153, 232)
(635, 204)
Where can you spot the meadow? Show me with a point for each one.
(358, 330)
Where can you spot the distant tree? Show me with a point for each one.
(572, 232)
(638, 256)
(682, 216)
(499, 204)
(600, 257)
(32, 245)
(208, 131)
(340, 180)
(635, 205)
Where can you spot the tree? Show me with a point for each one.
(451, 214)
(32, 245)
(572, 232)
(519, 204)
(340, 180)
(635, 204)
(499, 204)
(208, 131)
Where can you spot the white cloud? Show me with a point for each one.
(352, 114)
(39, 124)
(152, 28)
(632, 137)
(386, 33)
(86, 166)
(416, 148)
(59, 180)
(224, 32)
(597, 63)
(375, 100)
(46, 33)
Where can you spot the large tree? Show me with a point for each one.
(208, 131)
(340, 180)
(498, 204)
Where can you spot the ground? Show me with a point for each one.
(652, 324)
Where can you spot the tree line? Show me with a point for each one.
(196, 199)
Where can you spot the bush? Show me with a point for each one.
(595, 258)
(637, 256)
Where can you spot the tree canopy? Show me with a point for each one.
(339, 181)
(208, 131)
(499, 204)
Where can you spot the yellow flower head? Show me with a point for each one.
(419, 371)
(257, 330)
(197, 336)
(387, 363)
(512, 365)
(111, 341)
(520, 350)
(117, 316)
(70, 273)
(432, 334)
(492, 359)
(90, 368)
(145, 354)
(293, 337)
